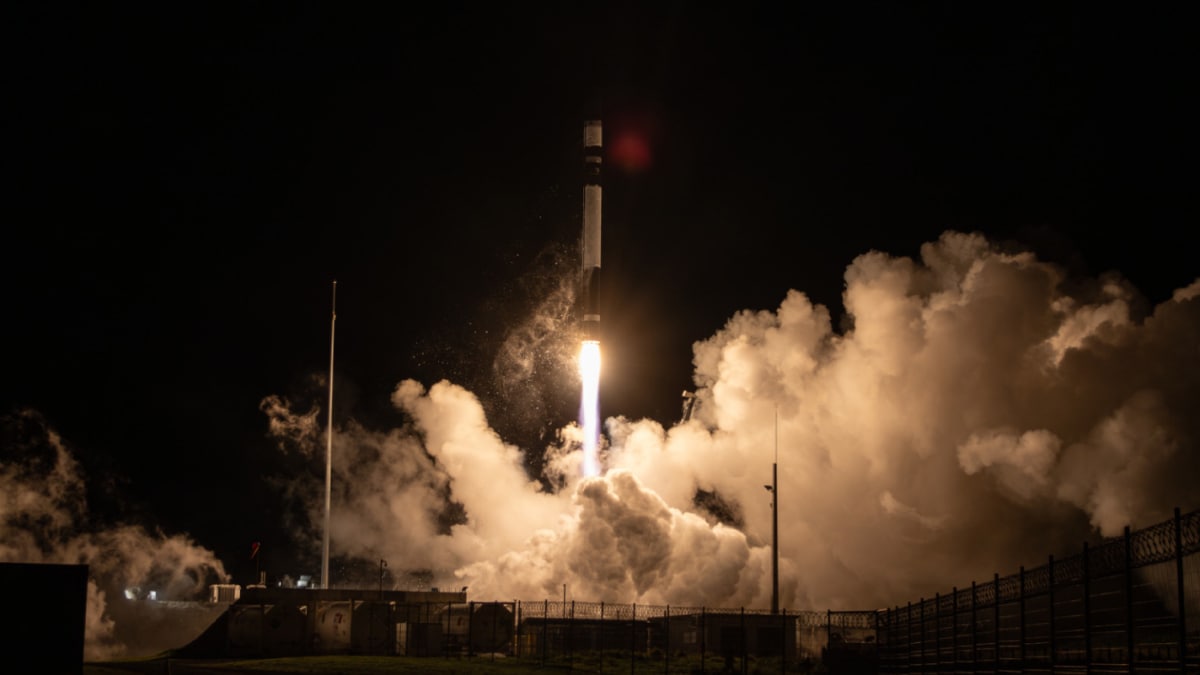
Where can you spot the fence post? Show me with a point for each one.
(974, 632)
(570, 640)
(495, 615)
(632, 637)
(937, 632)
(996, 624)
(1021, 609)
(601, 631)
(954, 627)
(1179, 590)
(667, 641)
(1129, 600)
(743, 622)
(921, 608)
(1087, 610)
(703, 636)
(471, 628)
(545, 628)
(909, 642)
(517, 632)
(885, 651)
(828, 631)
(886, 661)
(1053, 630)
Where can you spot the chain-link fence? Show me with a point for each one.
(600, 637)
(603, 637)
(1130, 604)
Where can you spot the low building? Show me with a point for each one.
(297, 622)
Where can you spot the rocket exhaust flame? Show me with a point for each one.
(589, 353)
(589, 407)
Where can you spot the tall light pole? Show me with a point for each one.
(773, 488)
(329, 447)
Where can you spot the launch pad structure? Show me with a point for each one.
(270, 622)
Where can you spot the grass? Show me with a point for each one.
(319, 665)
(372, 665)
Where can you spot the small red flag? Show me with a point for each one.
(254, 549)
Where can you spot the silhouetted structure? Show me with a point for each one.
(1130, 604)
(297, 622)
(45, 616)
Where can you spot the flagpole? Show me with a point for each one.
(329, 447)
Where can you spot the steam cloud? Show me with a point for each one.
(44, 519)
(979, 412)
(976, 416)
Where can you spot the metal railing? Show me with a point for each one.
(1128, 605)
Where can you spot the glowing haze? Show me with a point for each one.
(976, 413)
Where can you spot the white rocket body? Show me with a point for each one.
(593, 145)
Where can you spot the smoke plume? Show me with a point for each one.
(977, 413)
(44, 519)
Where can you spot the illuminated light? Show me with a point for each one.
(153, 595)
(589, 407)
(130, 595)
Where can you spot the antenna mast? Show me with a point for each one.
(329, 446)
(775, 521)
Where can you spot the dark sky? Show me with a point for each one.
(186, 181)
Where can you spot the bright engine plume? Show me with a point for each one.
(589, 353)
(589, 407)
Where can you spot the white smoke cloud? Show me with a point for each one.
(1021, 462)
(623, 543)
(974, 417)
(44, 519)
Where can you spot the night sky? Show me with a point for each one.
(185, 182)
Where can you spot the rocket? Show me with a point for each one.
(593, 144)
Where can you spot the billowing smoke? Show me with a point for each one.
(973, 416)
(392, 494)
(532, 374)
(44, 519)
